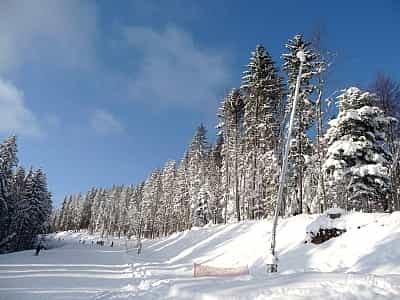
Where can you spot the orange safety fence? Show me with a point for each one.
(203, 270)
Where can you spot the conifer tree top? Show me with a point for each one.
(199, 142)
(354, 98)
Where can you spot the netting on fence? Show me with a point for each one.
(203, 270)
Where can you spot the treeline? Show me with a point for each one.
(349, 162)
(25, 203)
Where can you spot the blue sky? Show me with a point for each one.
(102, 92)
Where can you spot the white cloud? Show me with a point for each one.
(174, 70)
(104, 123)
(15, 117)
(58, 31)
(61, 33)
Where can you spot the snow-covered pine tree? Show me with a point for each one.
(94, 212)
(25, 202)
(322, 62)
(313, 195)
(113, 200)
(99, 210)
(198, 152)
(123, 207)
(8, 161)
(26, 215)
(231, 129)
(182, 203)
(151, 198)
(87, 209)
(61, 218)
(262, 96)
(44, 197)
(34, 209)
(213, 181)
(301, 144)
(137, 216)
(77, 211)
(54, 219)
(168, 180)
(357, 159)
(16, 196)
(270, 181)
(388, 92)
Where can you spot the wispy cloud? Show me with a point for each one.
(104, 123)
(174, 69)
(62, 32)
(15, 117)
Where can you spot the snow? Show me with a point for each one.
(352, 90)
(301, 56)
(350, 115)
(325, 222)
(370, 169)
(349, 148)
(362, 263)
(335, 210)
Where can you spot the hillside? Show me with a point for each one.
(363, 263)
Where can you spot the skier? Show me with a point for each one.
(139, 246)
(38, 248)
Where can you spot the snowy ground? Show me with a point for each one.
(363, 263)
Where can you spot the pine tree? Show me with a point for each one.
(198, 152)
(356, 157)
(87, 209)
(301, 145)
(262, 95)
(322, 62)
(8, 161)
(27, 215)
(123, 207)
(152, 190)
(388, 92)
(231, 116)
(136, 213)
(168, 178)
(182, 204)
(25, 203)
(213, 182)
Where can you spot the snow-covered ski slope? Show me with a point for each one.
(363, 263)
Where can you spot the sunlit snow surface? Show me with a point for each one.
(363, 263)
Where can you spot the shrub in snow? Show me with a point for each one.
(326, 226)
(357, 163)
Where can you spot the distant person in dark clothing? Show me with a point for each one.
(38, 248)
(139, 246)
(112, 244)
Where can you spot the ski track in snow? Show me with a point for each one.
(363, 263)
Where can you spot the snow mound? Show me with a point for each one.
(334, 211)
